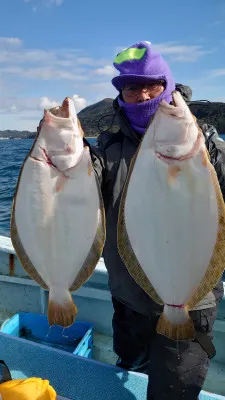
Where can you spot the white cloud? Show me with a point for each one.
(53, 2)
(53, 64)
(79, 102)
(18, 104)
(10, 41)
(13, 108)
(46, 103)
(107, 70)
(216, 73)
(26, 56)
(13, 103)
(43, 73)
(176, 51)
(217, 22)
(48, 3)
(101, 90)
(73, 67)
(47, 74)
(25, 113)
(179, 52)
(91, 62)
(55, 72)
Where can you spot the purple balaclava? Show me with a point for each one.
(139, 64)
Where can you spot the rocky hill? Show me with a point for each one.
(100, 116)
(210, 113)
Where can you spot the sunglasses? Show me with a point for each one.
(134, 90)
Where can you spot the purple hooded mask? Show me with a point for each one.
(139, 64)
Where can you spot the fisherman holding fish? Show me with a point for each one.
(144, 84)
(150, 195)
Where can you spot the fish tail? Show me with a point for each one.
(61, 311)
(176, 323)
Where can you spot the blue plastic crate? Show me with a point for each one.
(77, 339)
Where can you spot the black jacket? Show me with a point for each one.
(111, 158)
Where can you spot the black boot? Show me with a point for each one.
(139, 365)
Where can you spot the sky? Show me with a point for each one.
(50, 49)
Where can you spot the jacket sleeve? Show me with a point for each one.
(98, 158)
(216, 148)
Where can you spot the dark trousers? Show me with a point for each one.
(176, 370)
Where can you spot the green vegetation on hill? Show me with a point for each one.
(210, 113)
(98, 117)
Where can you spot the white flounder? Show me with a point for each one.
(58, 221)
(171, 229)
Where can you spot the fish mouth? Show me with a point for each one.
(62, 111)
(178, 100)
(180, 111)
(185, 157)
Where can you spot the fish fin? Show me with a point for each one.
(16, 242)
(95, 252)
(205, 157)
(21, 253)
(176, 324)
(62, 314)
(89, 168)
(125, 249)
(217, 263)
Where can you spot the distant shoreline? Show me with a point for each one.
(32, 138)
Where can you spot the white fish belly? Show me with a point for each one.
(172, 227)
(57, 229)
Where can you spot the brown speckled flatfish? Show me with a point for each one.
(171, 226)
(58, 219)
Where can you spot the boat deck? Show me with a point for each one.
(72, 376)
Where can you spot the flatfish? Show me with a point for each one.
(171, 226)
(58, 219)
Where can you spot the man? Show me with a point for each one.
(145, 79)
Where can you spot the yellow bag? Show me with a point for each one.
(27, 389)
